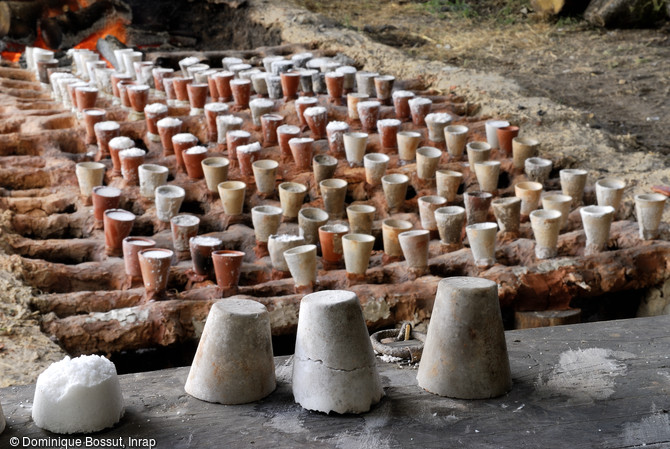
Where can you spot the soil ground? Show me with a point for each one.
(619, 77)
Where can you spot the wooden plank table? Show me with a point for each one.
(590, 385)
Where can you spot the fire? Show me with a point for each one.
(116, 29)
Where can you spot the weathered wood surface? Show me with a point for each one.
(599, 385)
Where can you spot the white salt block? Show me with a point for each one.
(233, 363)
(334, 368)
(80, 395)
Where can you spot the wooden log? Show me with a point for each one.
(70, 28)
(18, 20)
(545, 318)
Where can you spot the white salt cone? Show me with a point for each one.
(334, 367)
(233, 363)
(465, 353)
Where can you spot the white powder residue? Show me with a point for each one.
(95, 112)
(368, 104)
(584, 374)
(238, 133)
(438, 117)
(300, 140)
(184, 138)
(224, 74)
(107, 191)
(229, 120)
(288, 129)
(654, 428)
(252, 147)
(203, 240)
(390, 122)
(107, 126)
(169, 122)
(190, 60)
(306, 100)
(121, 143)
(316, 110)
(346, 69)
(197, 150)
(403, 94)
(216, 107)
(120, 214)
(185, 220)
(170, 191)
(157, 254)
(87, 89)
(337, 126)
(390, 359)
(286, 238)
(335, 74)
(155, 108)
(138, 87)
(261, 103)
(132, 152)
(419, 101)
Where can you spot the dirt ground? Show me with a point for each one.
(619, 77)
(596, 98)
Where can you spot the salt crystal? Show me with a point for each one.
(239, 68)
(288, 129)
(107, 191)
(216, 107)
(155, 108)
(262, 103)
(189, 61)
(132, 152)
(138, 87)
(346, 69)
(334, 75)
(299, 140)
(87, 88)
(306, 100)
(316, 110)
(388, 122)
(438, 117)
(107, 126)
(419, 101)
(121, 143)
(157, 254)
(170, 191)
(169, 122)
(238, 133)
(229, 119)
(337, 126)
(95, 112)
(403, 94)
(184, 138)
(286, 238)
(252, 147)
(196, 150)
(120, 214)
(203, 240)
(224, 74)
(80, 395)
(185, 220)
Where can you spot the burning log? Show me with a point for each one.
(18, 20)
(70, 28)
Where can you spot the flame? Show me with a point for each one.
(11, 56)
(116, 29)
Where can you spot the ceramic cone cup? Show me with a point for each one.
(546, 226)
(482, 238)
(559, 202)
(333, 192)
(335, 131)
(408, 142)
(291, 197)
(302, 149)
(508, 213)
(89, 175)
(477, 206)
(117, 226)
(448, 182)
(357, 249)
(414, 245)
(427, 160)
(183, 227)
(368, 114)
(103, 198)
(310, 219)
(538, 169)
(597, 221)
(649, 211)
(334, 366)
(450, 221)
(168, 202)
(330, 238)
(151, 177)
(530, 194)
(352, 104)
(522, 149)
(436, 122)
(505, 136)
(266, 221)
(361, 217)
(427, 207)
(155, 265)
(391, 228)
(478, 152)
(375, 167)
(420, 107)
(265, 174)
(355, 144)
(215, 170)
(324, 167)
(609, 192)
(301, 262)
(456, 137)
(227, 268)
(395, 190)
(232, 196)
(131, 247)
(233, 363)
(465, 353)
(492, 131)
(487, 173)
(573, 181)
(277, 244)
